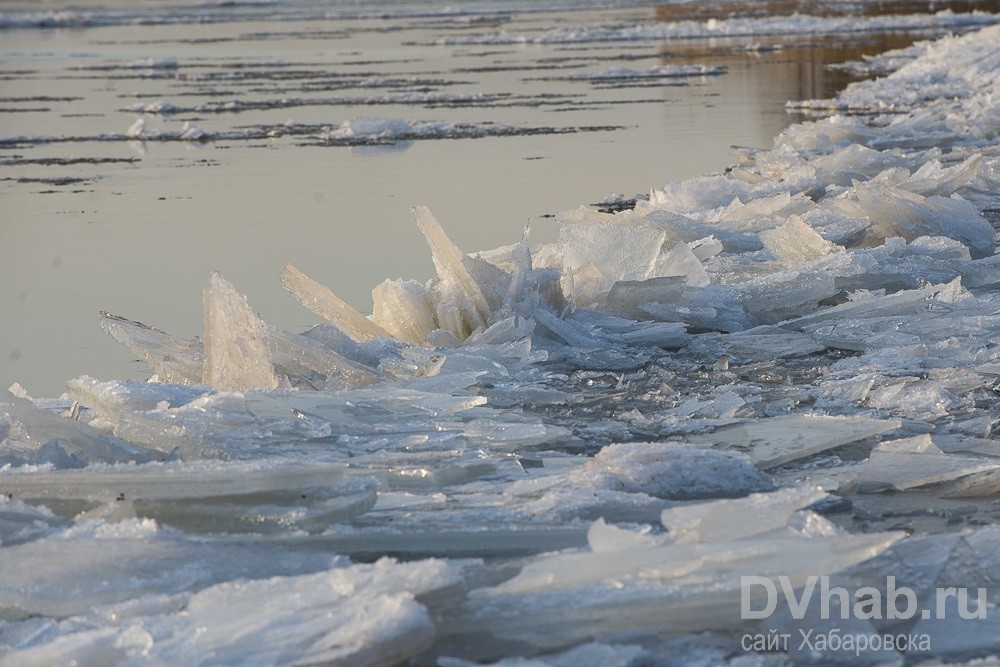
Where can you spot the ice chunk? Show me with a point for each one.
(319, 299)
(668, 586)
(738, 519)
(237, 356)
(459, 295)
(670, 470)
(172, 359)
(261, 496)
(795, 241)
(765, 343)
(137, 129)
(308, 364)
(915, 462)
(901, 213)
(67, 573)
(403, 308)
(39, 433)
(771, 442)
(21, 522)
(111, 400)
(365, 615)
(604, 537)
(357, 615)
(599, 250)
(681, 261)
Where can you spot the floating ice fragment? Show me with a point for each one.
(363, 615)
(738, 519)
(191, 132)
(137, 129)
(403, 308)
(67, 573)
(604, 537)
(669, 586)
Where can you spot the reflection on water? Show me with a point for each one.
(139, 233)
(798, 70)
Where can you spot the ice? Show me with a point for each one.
(909, 215)
(670, 586)
(915, 462)
(137, 129)
(460, 304)
(821, 316)
(236, 351)
(21, 522)
(261, 496)
(586, 655)
(172, 359)
(32, 436)
(599, 250)
(327, 305)
(67, 572)
(773, 442)
(403, 308)
(663, 71)
(731, 27)
(795, 241)
(308, 364)
(357, 615)
(668, 470)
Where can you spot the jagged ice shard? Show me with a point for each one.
(576, 449)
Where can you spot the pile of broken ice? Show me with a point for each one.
(579, 447)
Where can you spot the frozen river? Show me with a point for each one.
(134, 227)
(619, 439)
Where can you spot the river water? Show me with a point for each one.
(93, 222)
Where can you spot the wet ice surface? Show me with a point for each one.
(568, 449)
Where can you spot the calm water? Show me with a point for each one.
(136, 229)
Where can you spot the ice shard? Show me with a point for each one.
(460, 303)
(329, 306)
(795, 241)
(66, 573)
(237, 356)
(172, 359)
(771, 442)
(915, 462)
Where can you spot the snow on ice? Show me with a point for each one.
(575, 450)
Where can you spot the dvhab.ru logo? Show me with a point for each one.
(759, 597)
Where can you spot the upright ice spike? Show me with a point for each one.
(456, 281)
(237, 357)
(322, 301)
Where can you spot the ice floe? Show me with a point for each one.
(796, 24)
